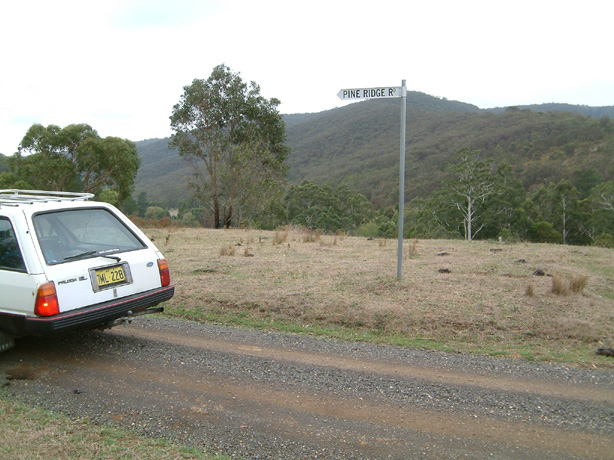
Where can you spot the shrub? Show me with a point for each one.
(388, 229)
(368, 230)
(544, 232)
(189, 220)
(605, 240)
(156, 212)
(508, 236)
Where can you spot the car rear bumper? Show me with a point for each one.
(89, 317)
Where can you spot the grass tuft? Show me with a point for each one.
(311, 237)
(559, 285)
(577, 284)
(227, 250)
(280, 237)
(564, 285)
(412, 250)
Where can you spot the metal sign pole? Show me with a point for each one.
(402, 180)
(379, 93)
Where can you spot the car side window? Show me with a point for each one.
(10, 254)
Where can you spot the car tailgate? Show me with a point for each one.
(91, 281)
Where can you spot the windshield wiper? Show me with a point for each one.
(83, 254)
(91, 253)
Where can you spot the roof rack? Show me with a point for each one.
(14, 196)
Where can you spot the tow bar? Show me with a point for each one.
(127, 320)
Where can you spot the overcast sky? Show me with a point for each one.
(121, 65)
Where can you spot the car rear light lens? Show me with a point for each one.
(46, 300)
(165, 274)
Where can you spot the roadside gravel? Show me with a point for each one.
(265, 395)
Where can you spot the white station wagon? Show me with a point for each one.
(67, 263)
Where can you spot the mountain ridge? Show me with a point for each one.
(358, 145)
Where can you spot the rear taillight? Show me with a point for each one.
(46, 300)
(165, 274)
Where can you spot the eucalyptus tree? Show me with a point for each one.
(324, 208)
(601, 202)
(603, 195)
(559, 204)
(234, 139)
(75, 158)
(471, 186)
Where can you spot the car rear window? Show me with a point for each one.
(82, 233)
(10, 254)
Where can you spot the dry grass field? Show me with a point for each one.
(480, 297)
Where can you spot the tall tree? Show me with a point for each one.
(75, 158)
(603, 195)
(4, 163)
(472, 185)
(322, 207)
(601, 203)
(586, 180)
(233, 137)
(108, 163)
(508, 197)
(559, 205)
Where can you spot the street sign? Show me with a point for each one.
(380, 93)
(370, 93)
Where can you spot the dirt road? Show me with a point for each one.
(259, 395)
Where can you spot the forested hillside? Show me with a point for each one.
(163, 174)
(596, 112)
(543, 174)
(358, 145)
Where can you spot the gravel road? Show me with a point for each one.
(261, 395)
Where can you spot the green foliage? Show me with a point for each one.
(548, 170)
(505, 214)
(189, 220)
(108, 196)
(543, 232)
(4, 164)
(586, 180)
(164, 176)
(73, 158)
(601, 202)
(234, 139)
(605, 240)
(559, 204)
(358, 144)
(156, 212)
(368, 230)
(324, 208)
(469, 191)
(502, 208)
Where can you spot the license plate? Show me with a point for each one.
(110, 276)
